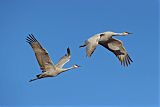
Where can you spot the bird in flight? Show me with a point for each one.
(106, 40)
(46, 65)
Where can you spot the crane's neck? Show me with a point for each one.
(66, 69)
(118, 34)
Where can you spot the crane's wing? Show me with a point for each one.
(116, 46)
(91, 46)
(41, 54)
(64, 59)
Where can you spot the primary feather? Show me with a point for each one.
(41, 54)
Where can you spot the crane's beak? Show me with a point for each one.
(130, 33)
(79, 66)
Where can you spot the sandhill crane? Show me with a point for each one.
(105, 39)
(45, 62)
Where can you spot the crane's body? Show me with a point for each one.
(106, 36)
(46, 65)
(56, 71)
(106, 40)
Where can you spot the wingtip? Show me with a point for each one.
(68, 48)
(30, 35)
(88, 56)
(126, 61)
(68, 51)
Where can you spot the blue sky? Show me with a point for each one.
(101, 81)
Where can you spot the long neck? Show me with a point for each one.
(118, 34)
(66, 69)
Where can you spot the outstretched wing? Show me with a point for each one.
(91, 44)
(41, 54)
(64, 59)
(90, 49)
(118, 49)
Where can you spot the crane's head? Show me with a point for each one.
(126, 33)
(109, 34)
(75, 66)
(121, 34)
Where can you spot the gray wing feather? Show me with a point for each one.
(64, 59)
(118, 49)
(91, 44)
(90, 49)
(41, 54)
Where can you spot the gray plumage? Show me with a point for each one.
(64, 59)
(106, 40)
(46, 65)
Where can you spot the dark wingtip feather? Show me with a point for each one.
(130, 58)
(30, 39)
(126, 61)
(32, 36)
(68, 51)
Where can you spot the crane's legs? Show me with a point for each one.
(33, 79)
(82, 46)
(39, 76)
